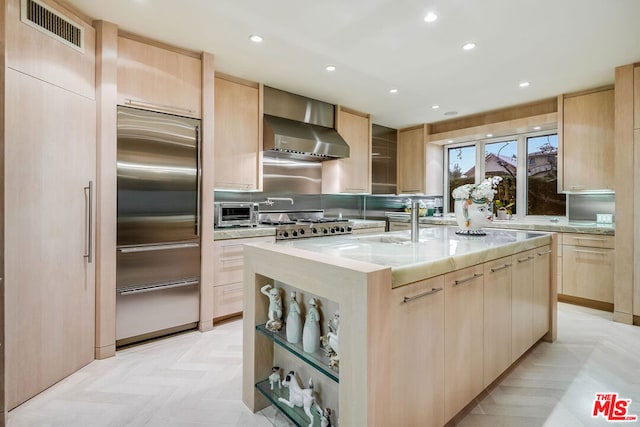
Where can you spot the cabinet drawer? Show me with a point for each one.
(588, 272)
(228, 261)
(591, 240)
(227, 299)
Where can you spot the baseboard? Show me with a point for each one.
(621, 317)
(105, 352)
(585, 302)
(636, 320)
(231, 316)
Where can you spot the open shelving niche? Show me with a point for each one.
(318, 361)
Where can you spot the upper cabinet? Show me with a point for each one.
(238, 134)
(411, 161)
(353, 174)
(586, 130)
(155, 78)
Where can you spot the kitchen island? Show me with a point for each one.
(424, 327)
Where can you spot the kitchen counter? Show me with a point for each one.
(562, 226)
(439, 251)
(269, 230)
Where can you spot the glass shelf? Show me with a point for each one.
(296, 414)
(319, 359)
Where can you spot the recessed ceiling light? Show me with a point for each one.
(435, 107)
(537, 128)
(430, 17)
(255, 38)
(524, 84)
(330, 68)
(469, 46)
(450, 141)
(393, 90)
(489, 135)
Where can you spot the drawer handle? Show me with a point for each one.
(592, 239)
(494, 269)
(544, 253)
(529, 258)
(582, 251)
(422, 295)
(229, 260)
(468, 279)
(158, 286)
(150, 248)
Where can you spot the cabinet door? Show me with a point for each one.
(237, 135)
(50, 285)
(153, 78)
(587, 141)
(588, 272)
(353, 174)
(497, 318)
(463, 338)
(541, 291)
(521, 303)
(411, 161)
(418, 353)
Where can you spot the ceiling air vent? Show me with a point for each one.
(43, 18)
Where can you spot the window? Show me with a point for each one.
(527, 164)
(542, 176)
(462, 164)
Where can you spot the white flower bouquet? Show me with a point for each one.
(478, 193)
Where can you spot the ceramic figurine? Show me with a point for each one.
(274, 323)
(325, 416)
(293, 323)
(311, 330)
(334, 333)
(472, 206)
(274, 378)
(298, 396)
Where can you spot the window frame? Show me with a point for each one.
(521, 174)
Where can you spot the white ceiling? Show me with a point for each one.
(558, 45)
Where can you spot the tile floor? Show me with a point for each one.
(194, 379)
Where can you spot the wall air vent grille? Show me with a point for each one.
(43, 18)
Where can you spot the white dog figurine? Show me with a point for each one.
(274, 378)
(325, 416)
(303, 397)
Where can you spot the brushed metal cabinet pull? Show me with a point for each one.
(544, 253)
(151, 248)
(159, 286)
(422, 295)
(529, 258)
(468, 279)
(494, 269)
(582, 251)
(89, 223)
(592, 239)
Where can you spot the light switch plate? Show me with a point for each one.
(604, 218)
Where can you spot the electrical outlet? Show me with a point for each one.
(604, 218)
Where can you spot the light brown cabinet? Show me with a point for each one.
(154, 78)
(541, 292)
(238, 134)
(588, 266)
(228, 275)
(497, 318)
(411, 161)
(587, 149)
(463, 338)
(522, 303)
(353, 174)
(421, 350)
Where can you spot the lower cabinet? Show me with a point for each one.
(421, 349)
(463, 338)
(522, 303)
(497, 318)
(541, 292)
(228, 275)
(588, 266)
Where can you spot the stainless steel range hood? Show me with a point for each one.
(300, 128)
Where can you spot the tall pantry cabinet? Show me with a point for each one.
(49, 174)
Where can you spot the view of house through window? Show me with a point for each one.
(542, 176)
(529, 183)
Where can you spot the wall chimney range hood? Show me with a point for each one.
(300, 128)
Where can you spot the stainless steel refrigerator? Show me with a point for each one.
(158, 242)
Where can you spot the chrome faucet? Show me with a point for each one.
(270, 200)
(415, 223)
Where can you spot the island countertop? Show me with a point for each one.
(439, 251)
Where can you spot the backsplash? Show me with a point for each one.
(584, 207)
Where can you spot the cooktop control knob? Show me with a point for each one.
(314, 230)
(285, 234)
(325, 231)
(294, 233)
(301, 231)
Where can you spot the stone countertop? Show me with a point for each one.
(439, 251)
(269, 230)
(561, 226)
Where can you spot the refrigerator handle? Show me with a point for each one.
(89, 222)
(199, 178)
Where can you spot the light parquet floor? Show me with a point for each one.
(194, 379)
